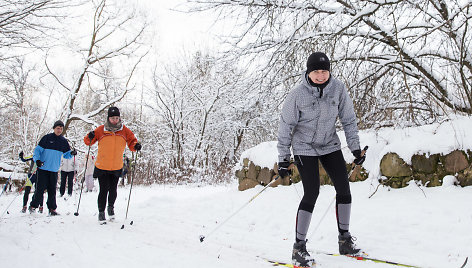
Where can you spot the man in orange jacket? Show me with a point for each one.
(112, 138)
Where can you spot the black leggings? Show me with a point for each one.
(108, 185)
(335, 166)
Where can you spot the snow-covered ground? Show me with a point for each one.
(430, 229)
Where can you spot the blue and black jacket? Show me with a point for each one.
(49, 151)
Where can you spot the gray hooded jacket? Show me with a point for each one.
(308, 121)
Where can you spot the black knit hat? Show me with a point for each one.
(317, 61)
(57, 124)
(113, 111)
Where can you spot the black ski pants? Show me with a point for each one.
(66, 177)
(47, 180)
(108, 185)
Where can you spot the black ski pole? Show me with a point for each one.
(131, 187)
(82, 185)
(202, 237)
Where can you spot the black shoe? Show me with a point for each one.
(31, 210)
(41, 209)
(23, 210)
(52, 212)
(101, 216)
(111, 212)
(346, 244)
(300, 256)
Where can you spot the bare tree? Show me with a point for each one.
(115, 45)
(22, 115)
(25, 23)
(418, 51)
(202, 111)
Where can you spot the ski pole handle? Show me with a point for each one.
(290, 167)
(354, 166)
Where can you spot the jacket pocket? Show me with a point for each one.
(308, 112)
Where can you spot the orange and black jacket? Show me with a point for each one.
(111, 146)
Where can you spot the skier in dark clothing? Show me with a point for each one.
(112, 137)
(47, 156)
(30, 181)
(307, 125)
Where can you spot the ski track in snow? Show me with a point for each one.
(399, 225)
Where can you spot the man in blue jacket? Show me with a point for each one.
(47, 156)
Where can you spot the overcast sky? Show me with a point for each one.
(176, 30)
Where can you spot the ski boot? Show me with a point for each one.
(300, 256)
(52, 212)
(111, 212)
(101, 217)
(31, 210)
(346, 244)
(23, 210)
(41, 208)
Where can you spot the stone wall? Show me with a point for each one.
(429, 170)
(396, 173)
(251, 175)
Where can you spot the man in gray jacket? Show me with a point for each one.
(308, 127)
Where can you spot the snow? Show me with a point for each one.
(263, 155)
(449, 181)
(401, 225)
(427, 227)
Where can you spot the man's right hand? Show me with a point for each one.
(39, 163)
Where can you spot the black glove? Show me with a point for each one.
(73, 152)
(283, 169)
(91, 135)
(359, 157)
(137, 146)
(21, 155)
(39, 163)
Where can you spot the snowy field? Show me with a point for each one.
(401, 225)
